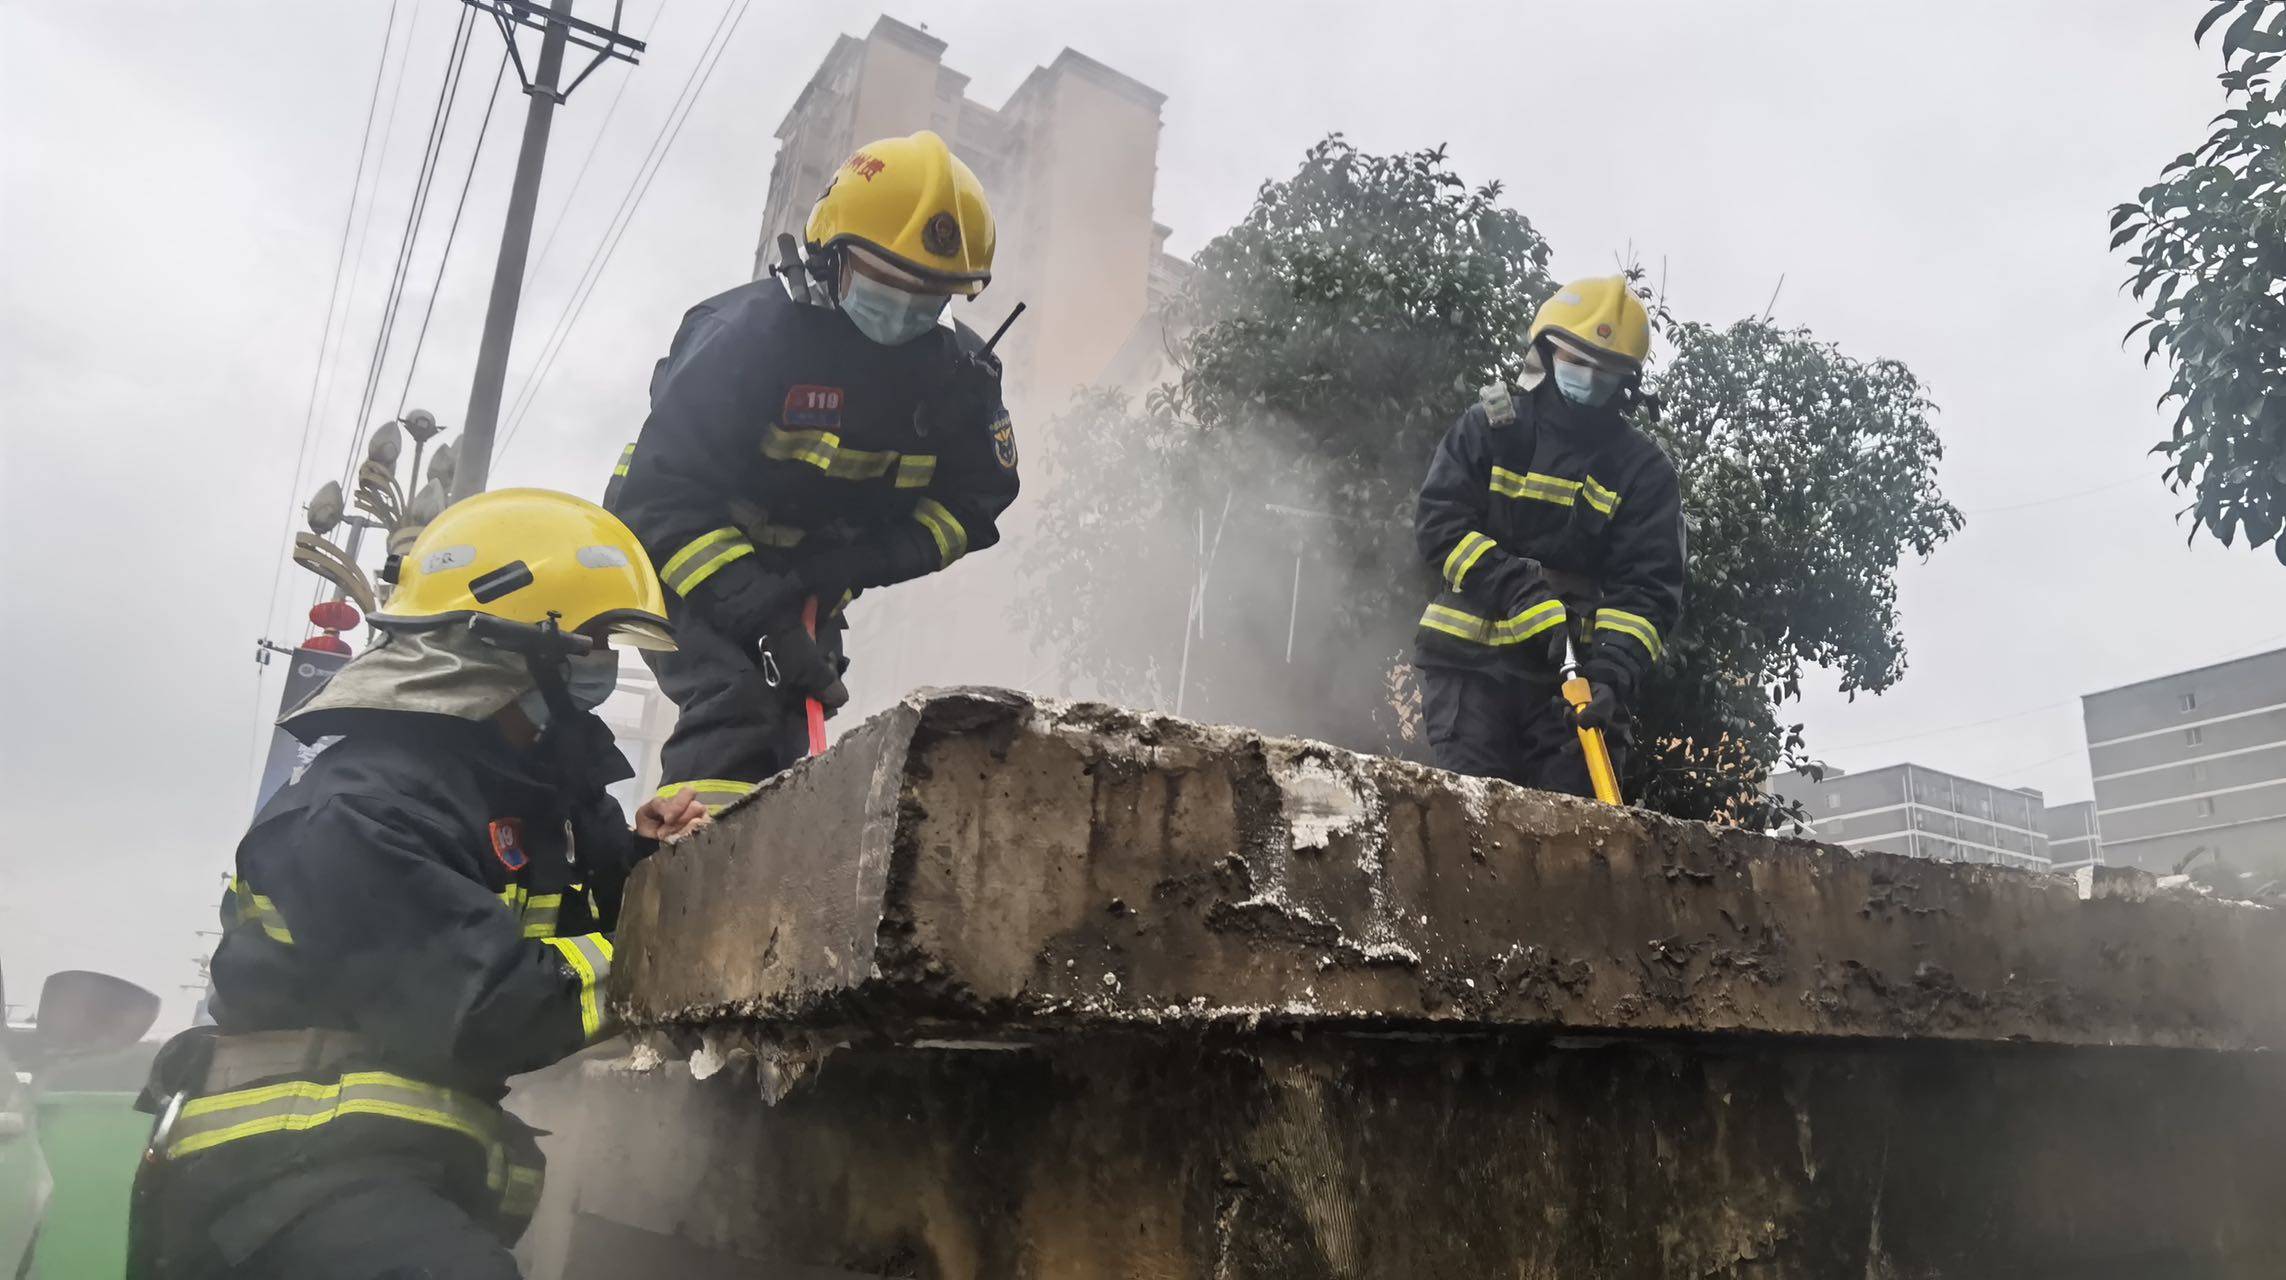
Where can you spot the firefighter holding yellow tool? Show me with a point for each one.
(813, 435)
(1557, 529)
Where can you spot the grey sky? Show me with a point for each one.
(1931, 179)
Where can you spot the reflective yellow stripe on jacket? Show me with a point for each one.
(1555, 489)
(626, 456)
(539, 912)
(254, 907)
(299, 1105)
(1463, 557)
(701, 557)
(1633, 625)
(825, 451)
(944, 528)
(714, 793)
(589, 955)
(1507, 631)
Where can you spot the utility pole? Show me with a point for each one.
(558, 28)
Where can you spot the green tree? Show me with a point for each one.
(1806, 477)
(2207, 243)
(1239, 545)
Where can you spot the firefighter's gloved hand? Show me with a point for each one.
(830, 573)
(791, 659)
(1604, 709)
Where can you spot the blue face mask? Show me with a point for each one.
(889, 315)
(589, 679)
(1584, 384)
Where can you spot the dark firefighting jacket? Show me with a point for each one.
(778, 432)
(1538, 516)
(445, 900)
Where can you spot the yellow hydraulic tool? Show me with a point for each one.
(1577, 693)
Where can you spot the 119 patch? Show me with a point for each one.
(812, 406)
(508, 843)
(1004, 442)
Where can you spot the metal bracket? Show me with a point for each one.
(605, 42)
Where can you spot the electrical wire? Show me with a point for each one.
(563, 210)
(452, 233)
(670, 129)
(373, 198)
(325, 331)
(440, 119)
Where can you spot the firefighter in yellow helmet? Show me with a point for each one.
(425, 911)
(813, 434)
(1549, 517)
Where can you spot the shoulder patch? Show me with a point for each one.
(508, 843)
(1004, 442)
(1499, 404)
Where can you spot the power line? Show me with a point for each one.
(325, 331)
(563, 210)
(669, 129)
(373, 198)
(2056, 498)
(440, 119)
(436, 286)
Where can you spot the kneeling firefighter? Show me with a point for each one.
(813, 435)
(424, 912)
(1554, 523)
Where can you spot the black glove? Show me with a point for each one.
(1604, 709)
(791, 659)
(829, 573)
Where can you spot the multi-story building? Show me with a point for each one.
(2193, 762)
(1070, 162)
(2072, 839)
(1921, 812)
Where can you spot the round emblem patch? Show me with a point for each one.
(1603, 331)
(941, 235)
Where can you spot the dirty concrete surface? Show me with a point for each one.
(1000, 987)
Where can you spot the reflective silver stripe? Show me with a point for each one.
(303, 1104)
(589, 955)
(1632, 625)
(255, 908)
(944, 528)
(823, 450)
(1478, 630)
(701, 556)
(1465, 554)
(540, 913)
(916, 470)
(299, 1105)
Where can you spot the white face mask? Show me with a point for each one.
(1585, 384)
(589, 678)
(887, 314)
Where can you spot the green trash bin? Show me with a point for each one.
(92, 1142)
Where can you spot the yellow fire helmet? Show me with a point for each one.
(1600, 320)
(913, 202)
(525, 556)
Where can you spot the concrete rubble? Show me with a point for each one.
(1004, 987)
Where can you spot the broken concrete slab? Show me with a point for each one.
(979, 863)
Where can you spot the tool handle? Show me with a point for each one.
(1600, 773)
(812, 709)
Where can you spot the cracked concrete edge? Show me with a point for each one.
(962, 937)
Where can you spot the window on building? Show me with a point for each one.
(2198, 773)
(2206, 806)
(1833, 799)
(2193, 737)
(2189, 702)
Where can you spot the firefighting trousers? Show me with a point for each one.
(734, 729)
(1493, 725)
(378, 1223)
